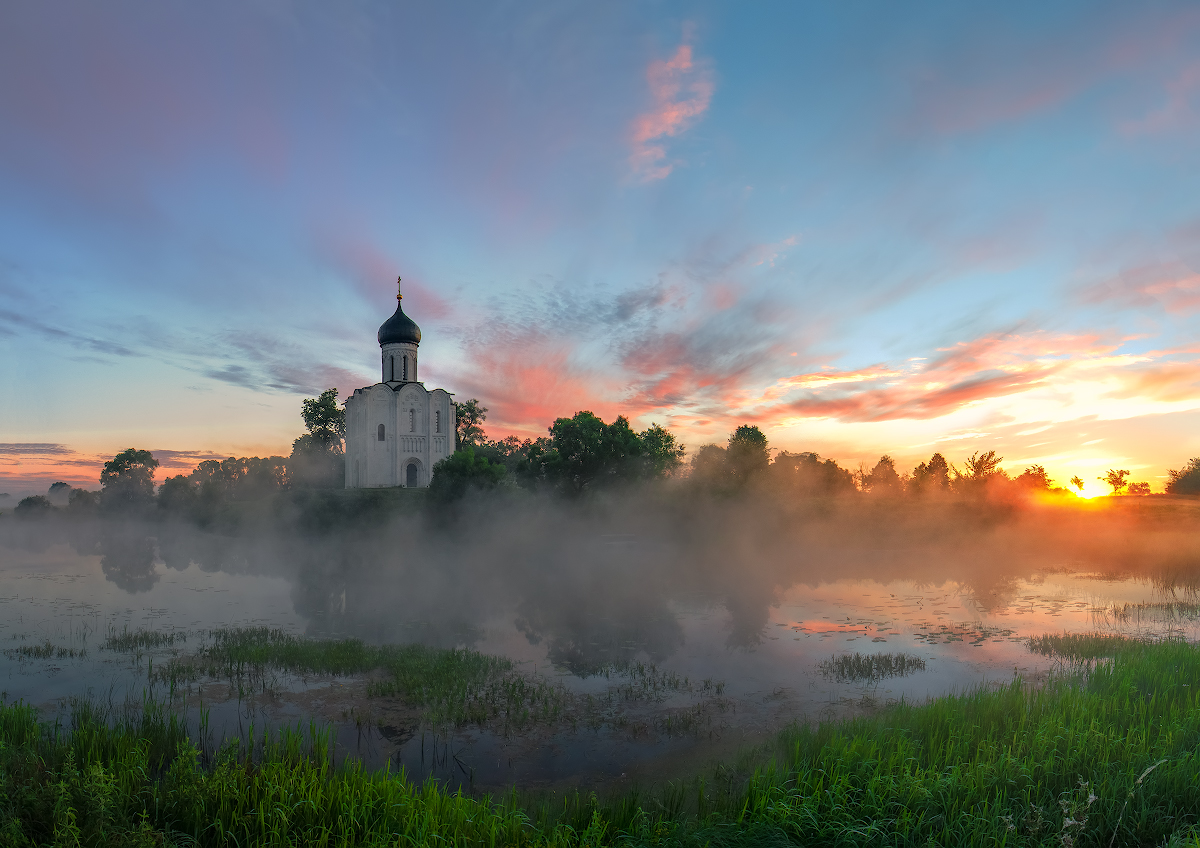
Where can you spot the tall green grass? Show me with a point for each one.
(869, 668)
(450, 687)
(1111, 756)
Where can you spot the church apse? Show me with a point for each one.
(397, 429)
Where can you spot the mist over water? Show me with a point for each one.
(751, 591)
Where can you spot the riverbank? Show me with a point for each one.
(1105, 751)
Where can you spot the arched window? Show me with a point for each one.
(381, 437)
(406, 369)
(412, 421)
(392, 365)
(437, 421)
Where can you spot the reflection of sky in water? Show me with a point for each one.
(73, 600)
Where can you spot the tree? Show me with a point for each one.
(882, 479)
(1116, 479)
(747, 454)
(662, 454)
(59, 493)
(588, 451)
(462, 471)
(1077, 482)
(709, 467)
(932, 476)
(1185, 481)
(1035, 477)
(326, 423)
(127, 480)
(807, 474)
(982, 466)
(468, 418)
(1139, 488)
(35, 506)
(317, 457)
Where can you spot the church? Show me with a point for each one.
(397, 430)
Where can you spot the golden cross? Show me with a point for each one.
(398, 295)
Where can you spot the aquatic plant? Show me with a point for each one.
(44, 651)
(1082, 647)
(128, 641)
(869, 668)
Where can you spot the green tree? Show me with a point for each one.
(746, 453)
(317, 457)
(1185, 481)
(468, 420)
(663, 455)
(461, 472)
(127, 481)
(1116, 479)
(325, 420)
(588, 451)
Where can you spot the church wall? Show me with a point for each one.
(418, 427)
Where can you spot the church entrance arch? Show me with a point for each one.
(410, 475)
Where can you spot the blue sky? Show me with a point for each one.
(866, 228)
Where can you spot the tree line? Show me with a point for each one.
(580, 454)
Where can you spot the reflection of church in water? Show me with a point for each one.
(397, 430)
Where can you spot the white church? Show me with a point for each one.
(397, 430)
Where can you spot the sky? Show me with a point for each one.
(866, 228)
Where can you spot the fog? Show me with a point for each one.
(602, 579)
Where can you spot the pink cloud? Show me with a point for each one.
(1173, 286)
(1177, 111)
(681, 90)
(374, 272)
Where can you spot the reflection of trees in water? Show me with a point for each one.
(127, 559)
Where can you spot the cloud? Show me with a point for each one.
(373, 271)
(33, 449)
(681, 89)
(24, 322)
(990, 367)
(1174, 287)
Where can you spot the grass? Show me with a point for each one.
(45, 651)
(869, 668)
(450, 687)
(128, 641)
(1108, 757)
(1082, 647)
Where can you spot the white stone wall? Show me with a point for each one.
(418, 430)
(392, 363)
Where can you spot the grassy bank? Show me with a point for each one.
(1107, 754)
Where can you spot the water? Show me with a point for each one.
(749, 641)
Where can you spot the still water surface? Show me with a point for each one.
(763, 648)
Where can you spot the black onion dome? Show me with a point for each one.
(399, 328)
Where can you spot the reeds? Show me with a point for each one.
(869, 668)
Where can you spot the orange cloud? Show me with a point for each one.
(681, 90)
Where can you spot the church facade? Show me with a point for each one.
(397, 430)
